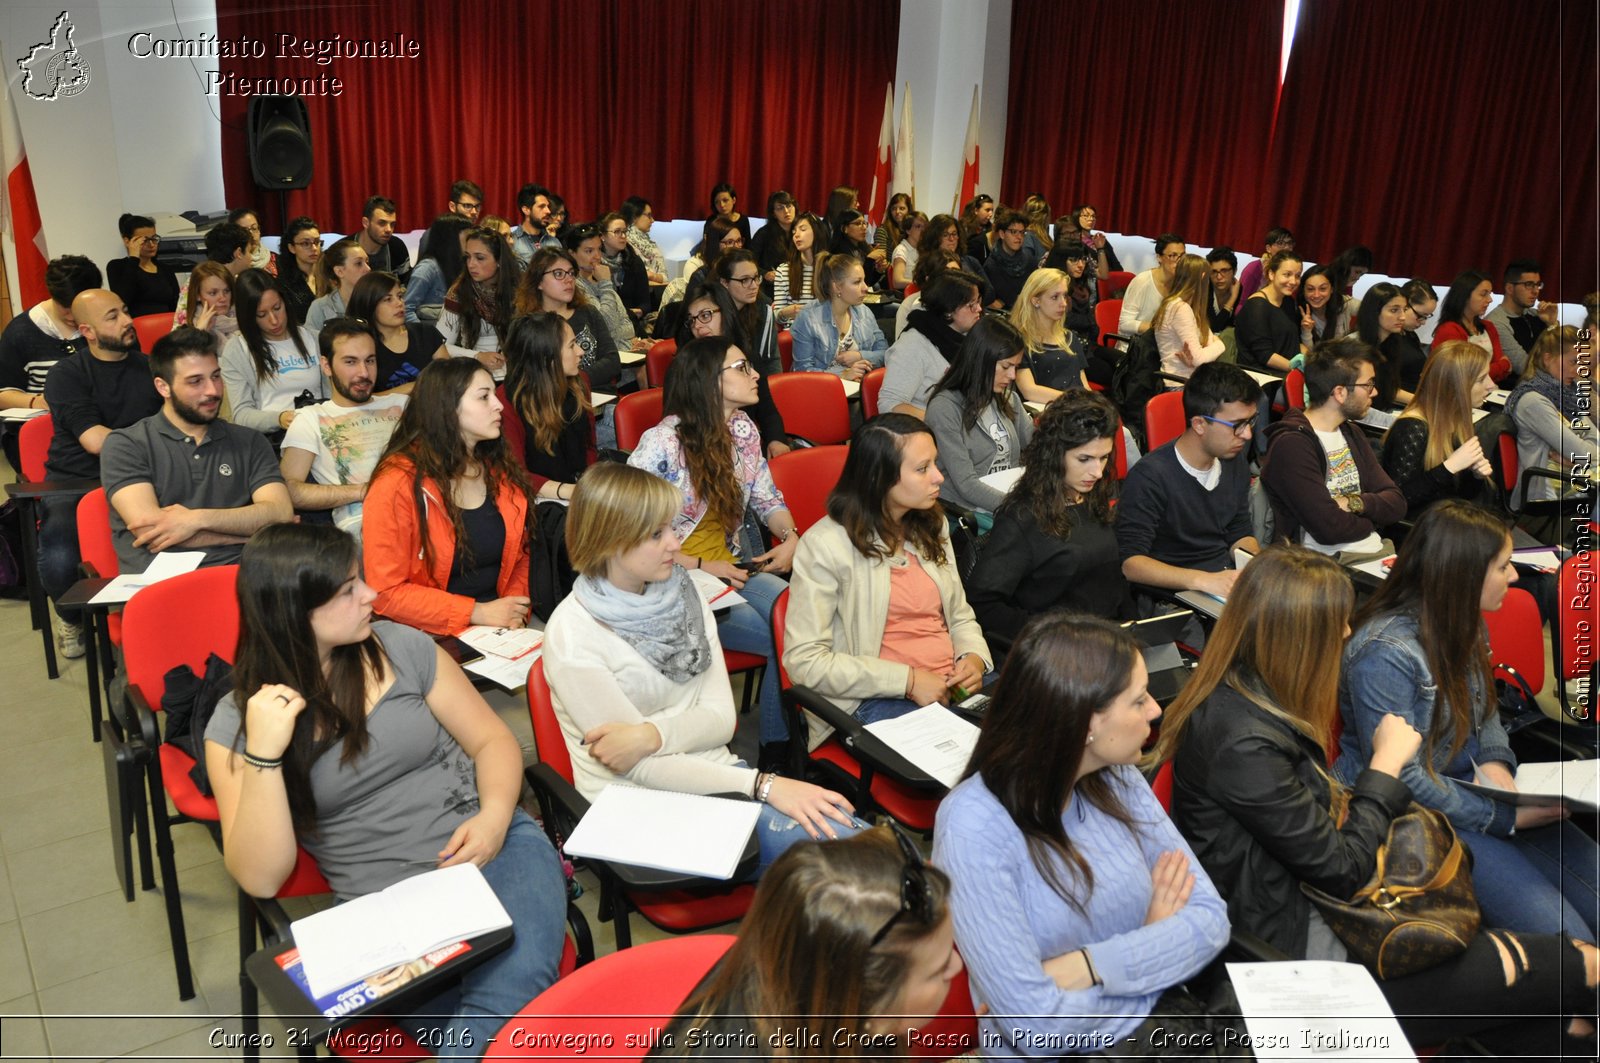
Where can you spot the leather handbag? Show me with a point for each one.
(1418, 909)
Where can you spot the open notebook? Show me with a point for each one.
(688, 833)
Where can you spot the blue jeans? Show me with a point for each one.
(1541, 881)
(748, 628)
(527, 877)
(871, 710)
(776, 832)
(58, 549)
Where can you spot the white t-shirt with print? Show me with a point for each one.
(345, 443)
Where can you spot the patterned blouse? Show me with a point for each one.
(655, 260)
(661, 452)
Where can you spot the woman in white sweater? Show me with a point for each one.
(1183, 322)
(272, 362)
(637, 673)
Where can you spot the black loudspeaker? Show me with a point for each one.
(278, 134)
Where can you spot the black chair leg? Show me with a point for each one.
(249, 1001)
(169, 887)
(91, 625)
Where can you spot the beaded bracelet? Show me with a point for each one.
(261, 762)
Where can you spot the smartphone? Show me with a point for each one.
(751, 566)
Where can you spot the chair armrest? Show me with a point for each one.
(139, 721)
(32, 489)
(276, 919)
(865, 746)
(1245, 947)
(1528, 475)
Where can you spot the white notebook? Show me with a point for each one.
(347, 942)
(688, 833)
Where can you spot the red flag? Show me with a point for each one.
(969, 158)
(22, 210)
(878, 201)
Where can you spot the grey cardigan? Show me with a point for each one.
(965, 455)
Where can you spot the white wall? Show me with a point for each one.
(142, 137)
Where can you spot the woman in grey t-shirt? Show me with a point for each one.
(364, 743)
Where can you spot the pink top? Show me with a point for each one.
(915, 634)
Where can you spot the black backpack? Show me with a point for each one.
(550, 574)
(1136, 380)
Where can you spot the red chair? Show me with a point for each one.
(621, 1001)
(33, 444)
(1294, 389)
(1163, 418)
(813, 406)
(836, 758)
(805, 477)
(152, 327)
(681, 906)
(1119, 453)
(1516, 641)
(786, 350)
(1113, 284)
(911, 289)
(657, 360)
(182, 620)
(871, 385)
(1107, 321)
(1573, 641)
(637, 414)
(98, 555)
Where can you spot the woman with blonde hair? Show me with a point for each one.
(1248, 739)
(838, 333)
(1057, 360)
(208, 303)
(1183, 320)
(1431, 451)
(1553, 410)
(636, 670)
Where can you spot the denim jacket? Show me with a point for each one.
(816, 338)
(1386, 671)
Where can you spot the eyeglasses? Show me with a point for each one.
(1172, 256)
(623, 231)
(1419, 315)
(469, 206)
(1537, 286)
(752, 279)
(1239, 428)
(307, 244)
(742, 365)
(559, 274)
(1370, 387)
(705, 316)
(916, 897)
(1016, 232)
(150, 240)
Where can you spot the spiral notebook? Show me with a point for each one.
(687, 833)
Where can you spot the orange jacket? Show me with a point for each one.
(409, 589)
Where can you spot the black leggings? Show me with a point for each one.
(1469, 996)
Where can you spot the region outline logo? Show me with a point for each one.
(55, 69)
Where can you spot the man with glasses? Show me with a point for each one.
(1327, 488)
(1009, 262)
(385, 251)
(466, 199)
(1227, 294)
(1185, 506)
(1522, 315)
(1143, 297)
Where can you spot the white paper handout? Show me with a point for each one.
(347, 942)
(1316, 1009)
(164, 565)
(1004, 480)
(1378, 567)
(852, 388)
(1574, 783)
(512, 643)
(713, 591)
(933, 738)
(503, 672)
(601, 398)
(689, 833)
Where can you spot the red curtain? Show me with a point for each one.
(1444, 134)
(1153, 114)
(596, 100)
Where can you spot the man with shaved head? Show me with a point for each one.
(91, 393)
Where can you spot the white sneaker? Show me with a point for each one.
(69, 639)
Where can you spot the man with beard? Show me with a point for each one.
(385, 250)
(332, 447)
(1327, 488)
(181, 479)
(105, 385)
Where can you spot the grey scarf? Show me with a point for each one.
(665, 623)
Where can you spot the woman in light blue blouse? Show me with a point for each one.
(837, 333)
(1076, 901)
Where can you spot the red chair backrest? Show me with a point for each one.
(1113, 284)
(658, 360)
(181, 620)
(1509, 461)
(94, 535)
(1578, 619)
(637, 414)
(786, 350)
(547, 737)
(1107, 312)
(812, 405)
(1162, 785)
(1119, 454)
(805, 477)
(1294, 389)
(780, 617)
(33, 444)
(618, 1001)
(152, 327)
(1516, 637)
(1163, 418)
(871, 384)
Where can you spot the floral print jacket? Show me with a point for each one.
(661, 452)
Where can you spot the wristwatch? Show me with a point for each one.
(1356, 505)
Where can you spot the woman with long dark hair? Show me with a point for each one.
(710, 310)
(850, 238)
(439, 261)
(1420, 650)
(550, 429)
(365, 743)
(637, 674)
(445, 526)
(1076, 902)
(896, 219)
(1324, 315)
(480, 303)
(1248, 740)
(718, 238)
(922, 354)
(725, 205)
(847, 944)
(710, 450)
(639, 215)
(145, 285)
(903, 256)
(977, 416)
(773, 243)
(1052, 546)
(270, 367)
(1404, 350)
(878, 621)
(628, 271)
(740, 274)
(550, 284)
(1379, 320)
(977, 225)
(793, 282)
(1461, 317)
(299, 249)
(403, 347)
(1267, 329)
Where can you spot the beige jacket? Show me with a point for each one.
(838, 608)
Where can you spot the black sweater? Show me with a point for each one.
(1264, 330)
(1164, 513)
(1022, 571)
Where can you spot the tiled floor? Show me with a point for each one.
(83, 974)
